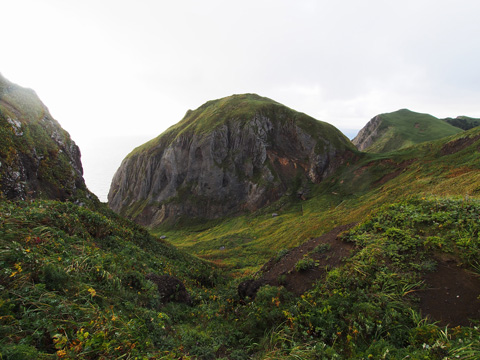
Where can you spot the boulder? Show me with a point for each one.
(170, 288)
(249, 288)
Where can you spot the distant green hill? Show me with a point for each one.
(463, 122)
(401, 129)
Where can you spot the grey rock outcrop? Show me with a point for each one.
(368, 134)
(252, 155)
(38, 159)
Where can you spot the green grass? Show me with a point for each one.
(366, 308)
(72, 285)
(405, 128)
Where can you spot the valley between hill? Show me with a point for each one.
(368, 256)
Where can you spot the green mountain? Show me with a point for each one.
(229, 156)
(401, 129)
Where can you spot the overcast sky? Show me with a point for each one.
(133, 68)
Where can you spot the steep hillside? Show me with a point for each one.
(400, 129)
(77, 284)
(84, 283)
(38, 159)
(230, 155)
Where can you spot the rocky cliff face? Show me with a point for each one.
(230, 155)
(368, 134)
(38, 159)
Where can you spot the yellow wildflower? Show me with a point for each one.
(61, 353)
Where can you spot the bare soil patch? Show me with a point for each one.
(282, 272)
(457, 145)
(452, 295)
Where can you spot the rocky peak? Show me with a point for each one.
(37, 157)
(230, 155)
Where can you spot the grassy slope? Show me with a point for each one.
(367, 309)
(404, 128)
(246, 242)
(72, 283)
(73, 287)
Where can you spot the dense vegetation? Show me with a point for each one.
(73, 286)
(463, 122)
(73, 283)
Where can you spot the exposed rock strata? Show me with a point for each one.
(243, 162)
(368, 134)
(37, 157)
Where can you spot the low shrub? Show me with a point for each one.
(304, 264)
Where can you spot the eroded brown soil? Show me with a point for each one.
(283, 272)
(452, 295)
(457, 145)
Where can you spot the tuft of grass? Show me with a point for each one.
(305, 263)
